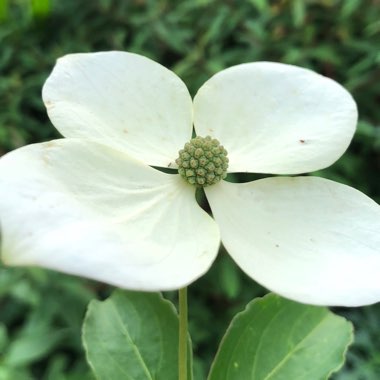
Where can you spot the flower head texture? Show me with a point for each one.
(93, 203)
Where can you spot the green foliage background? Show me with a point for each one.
(41, 311)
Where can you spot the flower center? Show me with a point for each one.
(202, 162)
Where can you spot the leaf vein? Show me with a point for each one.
(133, 345)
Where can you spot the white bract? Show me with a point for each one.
(91, 204)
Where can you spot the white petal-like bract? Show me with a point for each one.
(86, 209)
(123, 100)
(306, 238)
(90, 205)
(276, 118)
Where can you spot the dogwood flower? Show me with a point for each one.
(93, 204)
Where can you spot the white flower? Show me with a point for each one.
(91, 205)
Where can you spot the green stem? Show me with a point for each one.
(182, 346)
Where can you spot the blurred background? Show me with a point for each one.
(41, 311)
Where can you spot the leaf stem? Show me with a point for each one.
(182, 344)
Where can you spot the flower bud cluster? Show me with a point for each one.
(203, 161)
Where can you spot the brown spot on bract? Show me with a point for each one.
(302, 141)
(50, 144)
(125, 131)
(45, 159)
(49, 104)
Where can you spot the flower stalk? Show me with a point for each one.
(182, 344)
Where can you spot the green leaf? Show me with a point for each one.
(32, 346)
(299, 10)
(132, 336)
(230, 280)
(277, 339)
(40, 8)
(3, 9)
